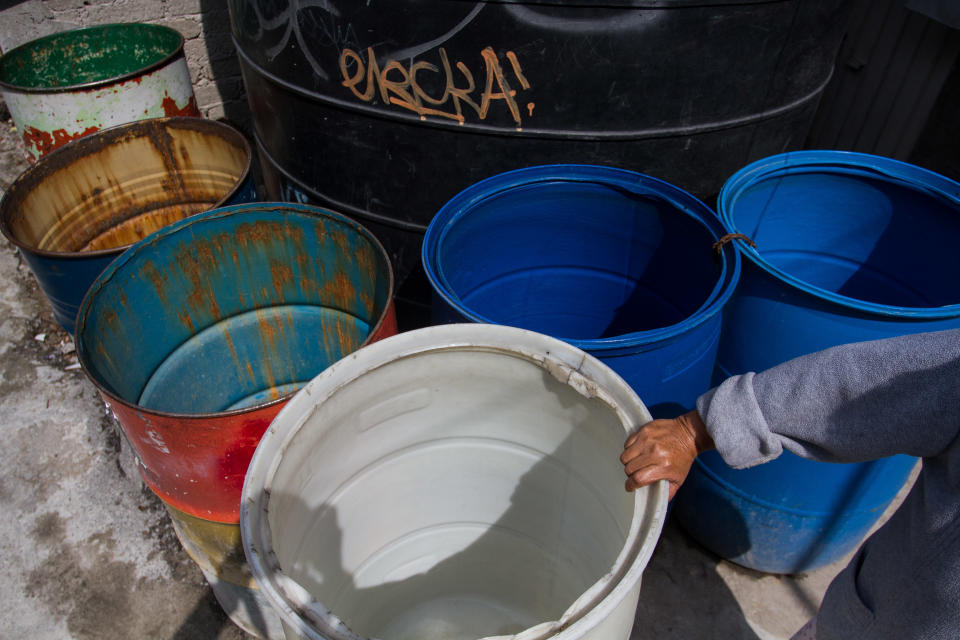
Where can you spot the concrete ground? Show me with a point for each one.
(87, 551)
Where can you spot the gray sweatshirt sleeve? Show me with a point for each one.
(850, 403)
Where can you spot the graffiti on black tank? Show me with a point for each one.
(462, 97)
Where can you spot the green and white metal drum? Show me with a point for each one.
(70, 84)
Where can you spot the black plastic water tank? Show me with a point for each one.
(384, 109)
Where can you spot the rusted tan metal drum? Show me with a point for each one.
(81, 206)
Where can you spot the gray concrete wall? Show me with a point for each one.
(205, 25)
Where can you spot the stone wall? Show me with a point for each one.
(205, 25)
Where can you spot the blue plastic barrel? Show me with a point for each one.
(614, 262)
(849, 247)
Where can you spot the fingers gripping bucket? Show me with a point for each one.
(67, 85)
(198, 334)
(849, 247)
(457, 481)
(624, 266)
(80, 207)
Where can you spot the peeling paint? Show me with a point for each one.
(171, 110)
(120, 73)
(40, 142)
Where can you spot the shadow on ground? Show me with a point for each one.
(683, 596)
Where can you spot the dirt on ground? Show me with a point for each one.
(88, 550)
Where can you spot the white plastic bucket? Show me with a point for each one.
(459, 481)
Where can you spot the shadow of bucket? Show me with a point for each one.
(80, 207)
(197, 335)
(614, 262)
(70, 84)
(849, 247)
(217, 550)
(458, 481)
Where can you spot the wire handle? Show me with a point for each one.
(718, 245)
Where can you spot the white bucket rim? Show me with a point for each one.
(576, 368)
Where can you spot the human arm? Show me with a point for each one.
(850, 403)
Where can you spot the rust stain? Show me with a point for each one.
(365, 260)
(105, 357)
(341, 242)
(268, 331)
(281, 275)
(326, 337)
(233, 351)
(204, 254)
(303, 268)
(367, 303)
(195, 262)
(339, 289)
(307, 284)
(268, 338)
(320, 231)
(264, 232)
(46, 141)
(129, 226)
(186, 320)
(108, 317)
(158, 279)
(162, 140)
(343, 337)
(124, 301)
(171, 110)
(241, 366)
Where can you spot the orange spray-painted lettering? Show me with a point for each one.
(400, 86)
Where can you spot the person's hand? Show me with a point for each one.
(664, 450)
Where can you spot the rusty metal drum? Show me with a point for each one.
(197, 335)
(73, 83)
(78, 208)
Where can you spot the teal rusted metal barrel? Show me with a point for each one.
(78, 208)
(198, 335)
(70, 84)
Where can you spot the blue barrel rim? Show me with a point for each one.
(33, 176)
(110, 272)
(634, 182)
(838, 163)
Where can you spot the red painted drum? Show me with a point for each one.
(200, 333)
